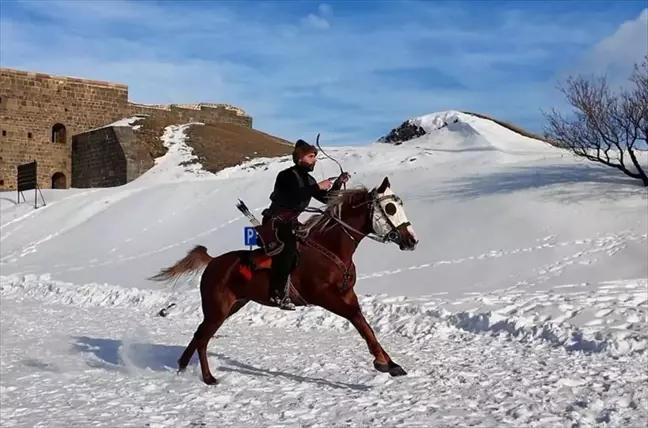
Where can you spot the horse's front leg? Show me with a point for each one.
(349, 308)
(382, 361)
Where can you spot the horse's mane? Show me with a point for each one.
(334, 205)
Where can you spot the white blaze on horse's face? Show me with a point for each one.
(389, 220)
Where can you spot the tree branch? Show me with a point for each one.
(605, 127)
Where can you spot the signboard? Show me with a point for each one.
(26, 178)
(250, 236)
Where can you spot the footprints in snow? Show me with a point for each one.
(611, 244)
(119, 259)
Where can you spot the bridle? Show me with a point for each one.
(391, 236)
(374, 201)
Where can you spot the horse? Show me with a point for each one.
(324, 275)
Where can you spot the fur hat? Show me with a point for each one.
(302, 148)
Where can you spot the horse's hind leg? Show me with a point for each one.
(184, 360)
(204, 333)
(209, 328)
(201, 331)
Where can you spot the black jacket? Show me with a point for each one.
(293, 190)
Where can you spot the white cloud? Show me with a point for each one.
(320, 20)
(615, 55)
(317, 22)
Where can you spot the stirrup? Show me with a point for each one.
(283, 303)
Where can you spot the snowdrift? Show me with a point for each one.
(615, 327)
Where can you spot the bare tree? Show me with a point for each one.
(607, 128)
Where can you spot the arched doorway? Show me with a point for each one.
(59, 133)
(58, 181)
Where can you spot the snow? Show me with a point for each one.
(525, 303)
(128, 121)
(178, 162)
(460, 132)
(124, 122)
(467, 125)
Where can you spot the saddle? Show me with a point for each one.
(257, 260)
(269, 244)
(253, 261)
(267, 238)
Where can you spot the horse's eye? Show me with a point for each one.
(390, 209)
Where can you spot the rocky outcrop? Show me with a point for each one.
(408, 130)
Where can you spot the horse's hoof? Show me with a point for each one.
(382, 368)
(397, 370)
(391, 367)
(211, 380)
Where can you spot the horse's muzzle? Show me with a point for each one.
(406, 238)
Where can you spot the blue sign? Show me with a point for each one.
(250, 236)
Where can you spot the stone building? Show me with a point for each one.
(41, 115)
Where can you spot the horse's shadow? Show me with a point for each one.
(117, 355)
(239, 367)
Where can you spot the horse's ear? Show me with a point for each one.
(384, 185)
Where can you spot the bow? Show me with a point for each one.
(330, 157)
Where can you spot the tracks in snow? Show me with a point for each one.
(610, 319)
(114, 366)
(609, 244)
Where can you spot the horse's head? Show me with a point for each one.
(388, 219)
(363, 212)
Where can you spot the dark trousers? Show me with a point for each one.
(283, 263)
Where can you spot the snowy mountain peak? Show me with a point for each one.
(458, 131)
(435, 121)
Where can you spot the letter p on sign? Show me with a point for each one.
(250, 236)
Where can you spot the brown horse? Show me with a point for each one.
(324, 276)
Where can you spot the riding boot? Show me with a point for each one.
(280, 295)
(282, 266)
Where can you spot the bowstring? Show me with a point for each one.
(317, 143)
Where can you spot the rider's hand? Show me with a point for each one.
(341, 179)
(325, 184)
(344, 177)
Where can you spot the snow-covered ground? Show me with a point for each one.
(525, 304)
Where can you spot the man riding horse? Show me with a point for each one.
(293, 189)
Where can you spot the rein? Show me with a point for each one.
(328, 253)
(346, 227)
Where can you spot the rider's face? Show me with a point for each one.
(309, 160)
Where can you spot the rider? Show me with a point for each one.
(293, 189)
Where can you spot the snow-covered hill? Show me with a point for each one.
(470, 130)
(524, 304)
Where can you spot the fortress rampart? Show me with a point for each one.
(39, 114)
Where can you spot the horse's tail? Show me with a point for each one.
(195, 259)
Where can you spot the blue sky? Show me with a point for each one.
(350, 70)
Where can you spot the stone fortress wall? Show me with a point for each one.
(40, 113)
